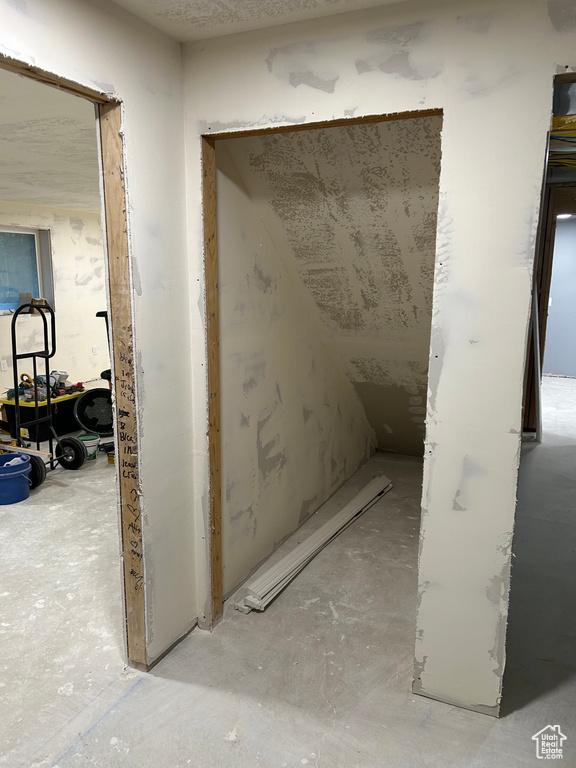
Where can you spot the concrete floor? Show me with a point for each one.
(60, 605)
(322, 678)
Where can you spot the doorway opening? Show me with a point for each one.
(560, 342)
(78, 241)
(539, 656)
(320, 248)
(551, 346)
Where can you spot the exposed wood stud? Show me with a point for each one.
(565, 77)
(121, 332)
(213, 344)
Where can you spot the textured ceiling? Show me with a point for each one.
(48, 149)
(188, 20)
(352, 211)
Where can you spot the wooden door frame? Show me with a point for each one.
(210, 231)
(120, 315)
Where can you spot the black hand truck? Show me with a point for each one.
(70, 452)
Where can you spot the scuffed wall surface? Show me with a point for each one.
(102, 47)
(79, 292)
(477, 61)
(292, 427)
(353, 210)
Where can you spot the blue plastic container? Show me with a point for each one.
(14, 485)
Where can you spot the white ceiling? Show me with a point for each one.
(188, 20)
(48, 149)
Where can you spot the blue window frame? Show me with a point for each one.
(20, 270)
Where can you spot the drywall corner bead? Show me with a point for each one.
(422, 588)
(419, 667)
(495, 592)
(107, 89)
(136, 281)
(441, 269)
(141, 391)
(506, 547)
(437, 353)
(205, 605)
(497, 653)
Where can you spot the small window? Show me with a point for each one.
(25, 266)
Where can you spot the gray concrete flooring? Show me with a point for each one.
(322, 678)
(60, 605)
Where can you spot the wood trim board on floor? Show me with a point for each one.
(263, 589)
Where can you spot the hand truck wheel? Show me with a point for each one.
(37, 472)
(70, 452)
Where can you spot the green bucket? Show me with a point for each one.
(91, 441)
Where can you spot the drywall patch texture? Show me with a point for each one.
(353, 212)
(292, 426)
(79, 292)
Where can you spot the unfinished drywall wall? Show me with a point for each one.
(292, 427)
(104, 48)
(79, 292)
(353, 213)
(477, 61)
